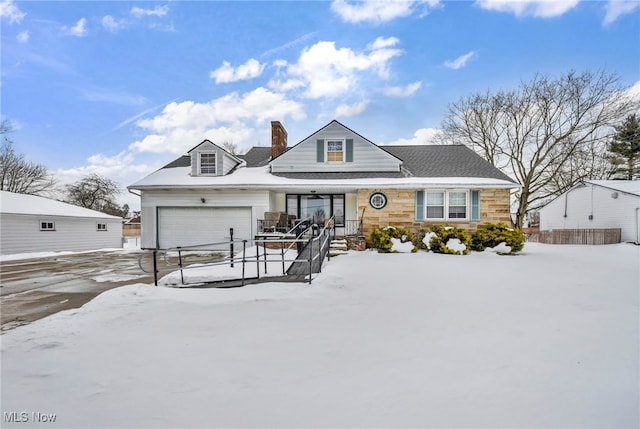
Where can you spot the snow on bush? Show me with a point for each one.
(393, 239)
(426, 240)
(460, 240)
(400, 246)
(492, 235)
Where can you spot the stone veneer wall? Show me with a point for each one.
(400, 210)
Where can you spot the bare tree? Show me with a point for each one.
(19, 175)
(232, 148)
(96, 193)
(548, 134)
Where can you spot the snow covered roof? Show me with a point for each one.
(11, 203)
(423, 166)
(261, 178)
(626, 186)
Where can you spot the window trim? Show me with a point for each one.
(326, 150)
(98, 224)
(422, 216)
(373, 196)
(331, 204)
(47, 223)
(215, 163)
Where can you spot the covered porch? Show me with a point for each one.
(304, 207)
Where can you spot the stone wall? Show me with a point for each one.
(400, 210)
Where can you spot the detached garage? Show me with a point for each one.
(36, 224)
(192, 226)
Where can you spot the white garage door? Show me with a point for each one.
(187, 226)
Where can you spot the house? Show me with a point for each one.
(29, 223)
(596, 205)
(334, 172)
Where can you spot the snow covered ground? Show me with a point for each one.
(548, 338)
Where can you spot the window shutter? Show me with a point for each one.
(320, 150)
(349, 153)
(475, 205)
(419, 205)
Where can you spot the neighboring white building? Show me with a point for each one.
(596, 204)
(36, 224)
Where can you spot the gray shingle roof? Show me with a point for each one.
(257, 156)
(183, 161)
(444, 161)
(418, 161)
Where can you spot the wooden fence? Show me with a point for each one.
(581, 236)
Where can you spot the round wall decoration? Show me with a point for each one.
(378, 200)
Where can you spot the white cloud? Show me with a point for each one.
(460, 62)
(182, 125)
(616, 8)
(226, 73)
(11, 12)
(420, 137)
(78, 30)
(397, 91)
(139, 12)
(536, 8)
(23, 37)
(345, 110)
(112, 24)
(110, 96)
(376, 11)
(326, 71)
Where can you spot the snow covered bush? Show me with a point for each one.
(390, 239)
(450, 240)
(493, 234)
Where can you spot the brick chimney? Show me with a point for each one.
(278, 139)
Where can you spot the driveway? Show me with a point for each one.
(31, 289)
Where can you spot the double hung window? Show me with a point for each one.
(207, 162)
(447, 205)
(335, 151)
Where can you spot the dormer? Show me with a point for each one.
(335, 148)
(209, 159)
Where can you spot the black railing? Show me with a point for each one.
(317, 240)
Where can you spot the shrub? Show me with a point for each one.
(439, 242)
(492, 234)
(382, 238)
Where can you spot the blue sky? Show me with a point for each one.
(121, 88)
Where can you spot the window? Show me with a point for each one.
(378, 200)
(457, 205)
(102, 227)
(335, 151)
(446, 205)
(47, 226)
(435, 205)
(320, 207)
(207, 163)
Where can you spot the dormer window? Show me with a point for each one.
(207, 163)
(335, 150)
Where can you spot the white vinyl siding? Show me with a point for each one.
(189, 226)
(305, 156)
(21, 233)
(257, 201)
(224, 162)
(573, 210)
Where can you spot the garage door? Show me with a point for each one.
(188, 226)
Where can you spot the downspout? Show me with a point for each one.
(637, 231)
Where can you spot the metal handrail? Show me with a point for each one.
(324, 233)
